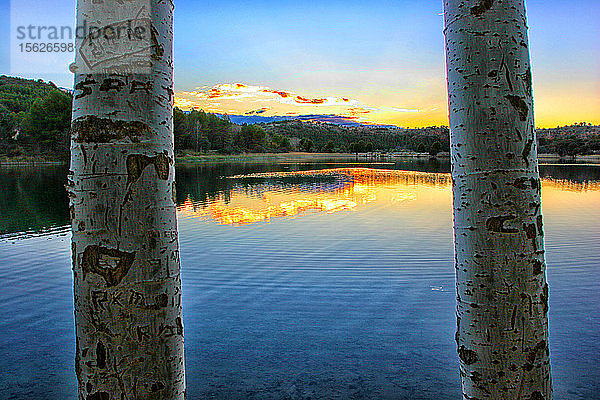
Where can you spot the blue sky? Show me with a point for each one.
(382, 55)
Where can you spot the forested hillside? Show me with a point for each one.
(326, 137)
(35, 119)
(200, 132)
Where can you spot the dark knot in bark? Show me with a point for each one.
(482, 7)
(467, 356)
(111, 264)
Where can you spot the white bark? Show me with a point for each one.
(502, 294)
(127, 285)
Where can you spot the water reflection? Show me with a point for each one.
(571, 186)
(261, 197)
(354, 298)
(33, 200)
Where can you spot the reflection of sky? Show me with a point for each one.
(366, 293)
(269, 196)
(388, 57)
(355, 189)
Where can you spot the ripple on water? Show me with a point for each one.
(336, 283)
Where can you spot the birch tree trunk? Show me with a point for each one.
(502, 294)
(127, 289)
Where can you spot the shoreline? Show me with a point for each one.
(30, 163)
(203, 158)
(272, 157)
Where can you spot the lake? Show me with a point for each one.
(329, 280)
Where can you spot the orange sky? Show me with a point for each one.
(554, 106)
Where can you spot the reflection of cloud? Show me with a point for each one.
(401, 197)
(571, 186)
(225, 214)
(271, 197)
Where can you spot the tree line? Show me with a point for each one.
(35, 118)
(331, 138)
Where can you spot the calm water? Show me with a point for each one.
(321, 281)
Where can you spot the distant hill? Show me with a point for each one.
(581, 129)
(570, 140)
(35, 118)
(333, 137)
(17, 94)
(325, 118)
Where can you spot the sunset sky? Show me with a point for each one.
(374, 62)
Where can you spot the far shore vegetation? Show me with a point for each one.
(35, 119)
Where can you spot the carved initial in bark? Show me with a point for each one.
(502, 295)
(129, 329)
(111, 264)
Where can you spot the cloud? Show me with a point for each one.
(256, 112)
(236, 91)
(404, 110)
(360, 110)
(266, 102)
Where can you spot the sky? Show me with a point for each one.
(378, 62)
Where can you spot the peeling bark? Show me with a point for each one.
(127, 288)
(502, 294)
(91, 129)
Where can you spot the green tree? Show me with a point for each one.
(180, 125)
(570, 145)
(435, 148)
(199, 131)
(306, 145)
(48, 121)
(280, 143)
(217, 130)
(329, 147)
(252, 138)
(7, 124)
(355, 147)
(18, 94)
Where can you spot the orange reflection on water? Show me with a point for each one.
(267, 196)
(563, 195)
(227, 214)
(344, 189)
(571, 186)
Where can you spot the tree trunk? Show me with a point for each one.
(127, 288)
(502, 294)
